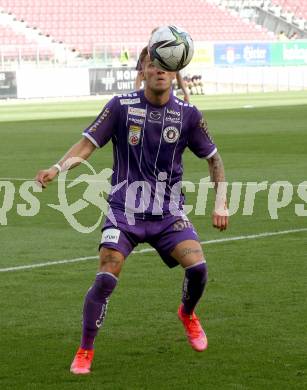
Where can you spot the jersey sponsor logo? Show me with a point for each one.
(134, 135)
(137, 111)
(172, 119)
(173, 116)
(170, 134)
(105, 113)
(129, 101)
(173, 112)
(110, 235)
(137, 121)
(155, 115)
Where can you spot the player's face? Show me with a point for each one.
(157, 80)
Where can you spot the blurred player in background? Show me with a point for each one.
(149, 132)
(140, 77)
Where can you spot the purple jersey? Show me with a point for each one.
(148, 143)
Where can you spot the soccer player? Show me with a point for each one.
(140, 77)
(149, 130)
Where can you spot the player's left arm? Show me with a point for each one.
(203, 146)
(220, 218)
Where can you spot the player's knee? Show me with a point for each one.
(111, 261)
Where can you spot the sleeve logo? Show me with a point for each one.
(105, 113)
(204, 127)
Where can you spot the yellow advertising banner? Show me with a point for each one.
(203, 54)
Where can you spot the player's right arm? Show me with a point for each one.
(80, 151)
(95, 136)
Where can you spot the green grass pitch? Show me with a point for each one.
(254, 308)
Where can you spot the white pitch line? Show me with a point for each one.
(68, 180)
(145, 250)
(23, 179)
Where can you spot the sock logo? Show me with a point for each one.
(185, 293)
(99, 322)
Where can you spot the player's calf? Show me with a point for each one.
(194, 283)
(95, 307)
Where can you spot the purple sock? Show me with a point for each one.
(95, 307)
(193, 286)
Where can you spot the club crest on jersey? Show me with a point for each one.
(134, 135)
(170, 134)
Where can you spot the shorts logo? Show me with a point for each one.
(110, 235)
(170, 134)
(181, 225)
(155, 115)
(137, 111)
(134, 135)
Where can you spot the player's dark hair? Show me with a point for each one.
(142, 57)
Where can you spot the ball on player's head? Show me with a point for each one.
(170, 48)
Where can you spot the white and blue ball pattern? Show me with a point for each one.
(170, 48)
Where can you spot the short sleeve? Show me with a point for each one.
(199, 140)
(103, 127)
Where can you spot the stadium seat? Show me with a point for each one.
(297, 7)
(126, 20)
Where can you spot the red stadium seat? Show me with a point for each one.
(120, 21)
(297, 7)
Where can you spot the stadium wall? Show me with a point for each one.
(47, 83)
(8, 85)
(44, 83)
(225, 67)
(218, 80)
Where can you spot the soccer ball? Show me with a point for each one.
(170, 48)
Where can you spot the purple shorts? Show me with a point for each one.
(163, 234)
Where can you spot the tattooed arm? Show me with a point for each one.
(216, 169)
(217, 174)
